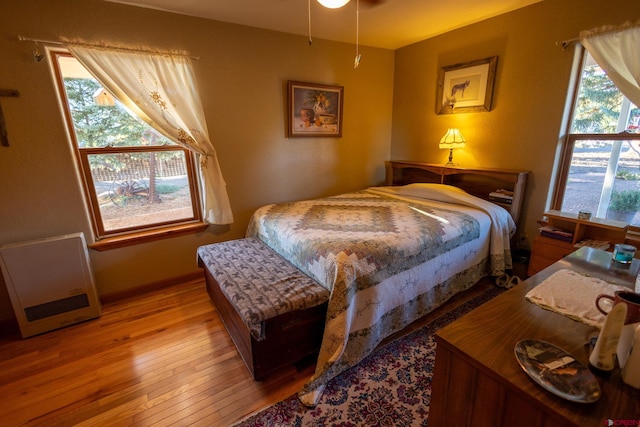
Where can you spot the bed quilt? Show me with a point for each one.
(351, 243)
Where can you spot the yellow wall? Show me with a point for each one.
(525, 126)
(242, 75)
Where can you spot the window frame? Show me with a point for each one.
(131, 235)
(570, 139)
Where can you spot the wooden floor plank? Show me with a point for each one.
(161, 358)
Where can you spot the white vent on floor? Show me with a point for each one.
(50, 283)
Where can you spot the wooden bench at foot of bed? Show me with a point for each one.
(273, 312)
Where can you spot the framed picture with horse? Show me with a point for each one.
(466, 87)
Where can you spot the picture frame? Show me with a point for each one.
(314, 110)
(466, 87)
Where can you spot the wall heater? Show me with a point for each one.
(50, 283)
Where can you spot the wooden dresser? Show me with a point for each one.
(478, 381)
(479, 182)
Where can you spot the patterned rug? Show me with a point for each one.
(391, 387)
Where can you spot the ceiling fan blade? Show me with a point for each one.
(371, 3)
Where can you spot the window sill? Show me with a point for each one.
(147, 236)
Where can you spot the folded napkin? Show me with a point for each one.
(573, 295)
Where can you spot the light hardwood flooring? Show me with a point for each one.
(161, 358)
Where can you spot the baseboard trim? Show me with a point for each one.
(143, 289)
(9, 327)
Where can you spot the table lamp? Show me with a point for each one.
(452, 139)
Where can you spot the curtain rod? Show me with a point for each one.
(565, 43)
(607, 29)
(27, 39)
(103, 46)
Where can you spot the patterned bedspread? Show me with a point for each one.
(355, 244)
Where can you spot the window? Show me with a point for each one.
(600, 170)
(136, 179)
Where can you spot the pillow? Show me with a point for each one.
(439, 192)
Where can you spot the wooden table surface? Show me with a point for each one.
(485, 338)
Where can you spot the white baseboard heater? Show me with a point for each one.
(50, 283)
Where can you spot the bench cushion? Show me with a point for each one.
(258, 282)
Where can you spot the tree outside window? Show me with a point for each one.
(601, 167)
(135, 177)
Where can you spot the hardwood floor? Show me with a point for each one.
(162, 358)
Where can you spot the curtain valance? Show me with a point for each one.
(617, 51)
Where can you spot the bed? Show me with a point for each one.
(388, 256)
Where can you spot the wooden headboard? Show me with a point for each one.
(479, 182)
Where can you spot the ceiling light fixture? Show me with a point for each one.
(333, 4)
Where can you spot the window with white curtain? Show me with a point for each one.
(600, 171)
(136, 179)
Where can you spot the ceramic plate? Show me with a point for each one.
(557, 371)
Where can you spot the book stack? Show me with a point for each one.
(501, 196)
(556, 233)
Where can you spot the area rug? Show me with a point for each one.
(391, 387)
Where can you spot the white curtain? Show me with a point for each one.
(161, 90)
(617, 51)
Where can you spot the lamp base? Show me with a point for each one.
(450, 162)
